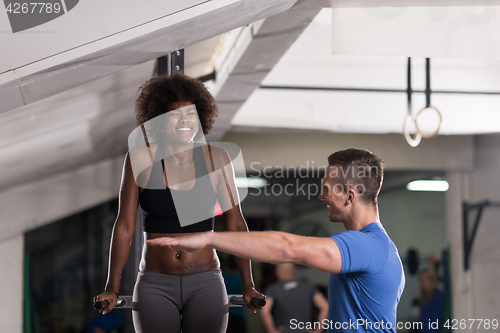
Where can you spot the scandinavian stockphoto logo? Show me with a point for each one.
(26, 15)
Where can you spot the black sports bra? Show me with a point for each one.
(157, 205)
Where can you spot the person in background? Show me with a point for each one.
(291, 299)
(431, 301)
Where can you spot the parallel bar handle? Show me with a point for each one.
(237, 300)
(234, 300)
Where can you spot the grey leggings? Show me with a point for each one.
(167, 303)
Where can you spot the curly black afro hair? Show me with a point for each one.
(158, 93)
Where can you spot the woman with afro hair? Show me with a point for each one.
(175, 290)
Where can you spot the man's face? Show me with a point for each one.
(334, 193)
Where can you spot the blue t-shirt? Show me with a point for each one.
(365, 295)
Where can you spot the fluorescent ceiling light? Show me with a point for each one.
(428, 185)
(252, 182)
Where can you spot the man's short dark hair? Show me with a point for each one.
(361, 169)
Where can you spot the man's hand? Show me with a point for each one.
(191, 243)
(248, 294)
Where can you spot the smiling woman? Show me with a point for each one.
(176, 178)
(181, 124)
(157, 95)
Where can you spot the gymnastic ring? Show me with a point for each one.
(439, 124)
(413, 142)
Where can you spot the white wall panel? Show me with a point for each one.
(436, 32)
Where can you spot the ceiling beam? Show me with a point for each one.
(103, 57)
(261, 47)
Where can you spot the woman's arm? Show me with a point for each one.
(123, 231)
(235, 222)
(229, 199)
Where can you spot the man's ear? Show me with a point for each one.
(351, 196)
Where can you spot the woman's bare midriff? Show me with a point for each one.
(165, 260)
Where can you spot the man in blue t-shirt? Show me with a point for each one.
(367, 277)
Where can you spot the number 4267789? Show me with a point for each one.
(33, 8)
(471, 323)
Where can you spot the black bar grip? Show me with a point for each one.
(238, 300)
(122, 302)
(258, 301)
(101, 305)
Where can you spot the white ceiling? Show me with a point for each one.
(69, 122)
(80, 110)
(309, 63)
(63, 53)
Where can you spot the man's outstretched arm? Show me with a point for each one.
(273, 247)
